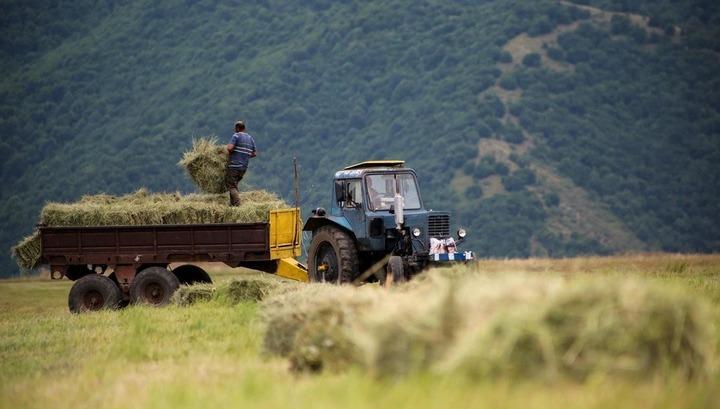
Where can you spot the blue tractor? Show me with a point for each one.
(378, 228)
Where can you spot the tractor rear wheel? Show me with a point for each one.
(333, 257)
(94, 292)
(154, 286)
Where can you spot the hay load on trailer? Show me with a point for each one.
(144, 208)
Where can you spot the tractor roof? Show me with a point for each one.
(359, 169)
(377, 164)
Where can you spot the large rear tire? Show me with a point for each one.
(92, 293)
(153, 286)
(333, 257)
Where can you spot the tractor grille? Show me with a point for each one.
(439, 225)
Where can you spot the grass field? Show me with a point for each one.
(209, 355)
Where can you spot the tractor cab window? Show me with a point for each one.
(381, 190)
(354, 194)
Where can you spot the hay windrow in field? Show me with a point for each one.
(188, 295)
(490, 326)
(205, 163)
(145, 208)
(234, 291)
(312, 325)
(254, 289)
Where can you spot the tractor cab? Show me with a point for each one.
(378, 210)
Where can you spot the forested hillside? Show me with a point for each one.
(547, 127)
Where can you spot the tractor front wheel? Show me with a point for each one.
(395, 271)
(333, 257)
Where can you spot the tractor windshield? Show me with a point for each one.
(381, 190)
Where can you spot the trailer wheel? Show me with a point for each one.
(154, 286)
(332, 257)
(92, 293)
(189, 274)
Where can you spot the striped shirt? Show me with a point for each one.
(244, 147)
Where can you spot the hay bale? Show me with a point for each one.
(188, 295)
(205, 163)
(27, 251)
(145, 208)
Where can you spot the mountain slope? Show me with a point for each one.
(604, 115)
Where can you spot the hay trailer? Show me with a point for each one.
(116, 265)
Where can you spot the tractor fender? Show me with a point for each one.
(315, 222)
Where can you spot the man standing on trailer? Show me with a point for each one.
(241, 149)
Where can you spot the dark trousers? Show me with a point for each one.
(232, 178)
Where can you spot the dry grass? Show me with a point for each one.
(188, 295)
(310, 323)
(144, 208)
(461, 322)
(653, 264)
(249, 288)
(27, 251)
(543, 327)
(205, 163)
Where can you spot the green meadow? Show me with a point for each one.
(210, 354)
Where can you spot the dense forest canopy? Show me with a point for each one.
(548, 128)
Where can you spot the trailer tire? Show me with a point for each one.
(335, 249)
(94, 292)
(153, 286)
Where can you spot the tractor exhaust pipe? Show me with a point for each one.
(399, 211)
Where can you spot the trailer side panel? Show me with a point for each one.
(228, 243)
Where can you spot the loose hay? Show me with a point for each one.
(253, 289)
(241, 289)
(249, 290)
(205, 163)
(188, 295)
(407, 335)
(27, 251)
(312, 325)
(323, 343)
(614, 326)
(495, 326)
(144, 208)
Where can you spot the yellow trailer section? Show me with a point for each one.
(285, 243)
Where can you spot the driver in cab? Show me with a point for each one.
(376, 198)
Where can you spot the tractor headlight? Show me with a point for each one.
(461, 233)
(416, 232)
